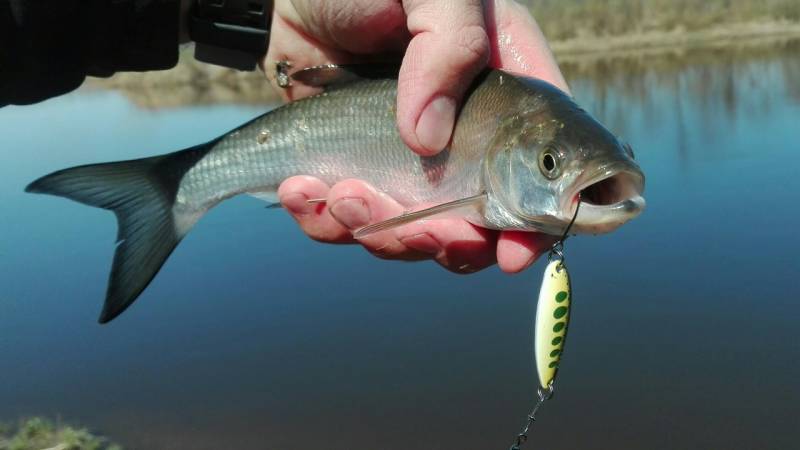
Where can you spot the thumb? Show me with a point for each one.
(448, 48)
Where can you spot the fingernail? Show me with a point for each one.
(296, 203)
(435, 124)
(351, 212)
(422, 242)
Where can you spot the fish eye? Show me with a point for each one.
(549, 163)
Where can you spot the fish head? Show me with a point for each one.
(543, 160)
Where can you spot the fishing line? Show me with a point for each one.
(550, 327)
(558, 248)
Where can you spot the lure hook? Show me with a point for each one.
(544, 394)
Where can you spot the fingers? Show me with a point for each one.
(313, 219)
(518, 44)
(453, 243)
(356, 26)
(355, 204)
(517, 250)
(351, 204)
(310, 33)
(290, 41)
(449, 46)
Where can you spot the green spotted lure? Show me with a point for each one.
(550, 326)
(552, 318)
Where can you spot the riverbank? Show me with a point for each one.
(191, 82)
(654, 42)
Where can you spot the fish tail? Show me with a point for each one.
(141, 193)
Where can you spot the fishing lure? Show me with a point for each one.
(550, 326)
(552, 318)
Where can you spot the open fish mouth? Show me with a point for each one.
(609, 196)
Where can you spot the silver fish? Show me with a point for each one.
(521, 153)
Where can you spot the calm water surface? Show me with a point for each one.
(685, 331)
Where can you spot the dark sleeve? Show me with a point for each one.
(47, 48)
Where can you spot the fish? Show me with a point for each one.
(521, 152)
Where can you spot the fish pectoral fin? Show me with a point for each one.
(266, 196)
(274, 203)
(338, 74)
(421, 214)
(270, 197)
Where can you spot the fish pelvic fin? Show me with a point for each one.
(141, 193)
(421, 214)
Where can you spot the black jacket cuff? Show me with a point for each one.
(50, 47)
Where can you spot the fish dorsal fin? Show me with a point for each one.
(329, 75)
(421, 214)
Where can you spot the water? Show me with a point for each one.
(684, 333)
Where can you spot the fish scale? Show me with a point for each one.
(315, 137)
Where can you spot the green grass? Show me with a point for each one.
(565, 19)
(38, 433)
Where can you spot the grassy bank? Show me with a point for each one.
(42, 434)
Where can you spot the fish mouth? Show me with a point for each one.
(609, 197)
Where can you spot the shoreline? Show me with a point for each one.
(658, 42)
(195, 83)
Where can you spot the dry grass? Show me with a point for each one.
(569, 19)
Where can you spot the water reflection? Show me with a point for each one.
(714, 90)
(710, 80)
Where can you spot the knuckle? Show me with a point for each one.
(350, 188)
(471, 46)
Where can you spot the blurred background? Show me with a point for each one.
(685, 322)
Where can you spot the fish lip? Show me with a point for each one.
(630, 206)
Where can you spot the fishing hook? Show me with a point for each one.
(544, 394)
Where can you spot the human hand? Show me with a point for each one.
(446, 42)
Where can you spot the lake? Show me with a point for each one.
(686, 322)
